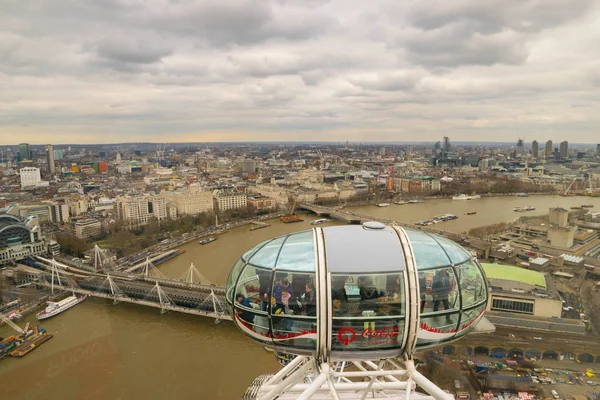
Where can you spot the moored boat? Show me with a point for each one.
(587, 206)
(55, 308)
(383, 205)
(319, 221)
(465, 197)
(208, 240)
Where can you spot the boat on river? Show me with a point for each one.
(466, 197)
(415, 201)
(55, 308)
(522, 195)
(472, 213)
(523, 209)
(587, 206)
(383, 205)
(208, 240)
(319, 221)
(401, 202)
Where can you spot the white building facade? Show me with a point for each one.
(138, 210)
(191, 201)
(225, 200)
(30, 177)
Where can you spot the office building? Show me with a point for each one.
(87, 228)
(416, 184)
(446, 147)
(59, 212)
(520, 147)
(24, 151)
(548, 148)
(50, 168)
(229, 200)
(191, 201)
(39, 210)
(30, 177)
(534, 149)
(139, 210)
(564, 150)
(58, 154)
(598, 150)
(249, 166)
(258, 202)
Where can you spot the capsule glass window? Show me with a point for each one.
(368, 311)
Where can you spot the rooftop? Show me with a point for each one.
(511, 273)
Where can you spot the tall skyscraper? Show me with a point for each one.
(50, 159)
(24, 151)
(534, 149)
(548, 148)
(446, 146)
(58, 154)
(520, 147)
(598, 150)
(564, 149)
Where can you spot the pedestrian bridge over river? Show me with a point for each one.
(187, 297)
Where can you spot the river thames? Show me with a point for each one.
(101, 351)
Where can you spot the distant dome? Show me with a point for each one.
(349, 288)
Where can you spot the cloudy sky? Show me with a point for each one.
(106, 71)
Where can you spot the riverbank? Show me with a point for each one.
(185, 238)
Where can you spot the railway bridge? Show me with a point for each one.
(357, 218)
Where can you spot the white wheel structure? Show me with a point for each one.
(347, 306)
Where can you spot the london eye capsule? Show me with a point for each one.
(359, 291)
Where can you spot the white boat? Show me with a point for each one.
(383, 205)
(465, 197)
(416, 201)
(523, 209)
(319, 221)
(401, 202)
(522, 195)
(55, 308)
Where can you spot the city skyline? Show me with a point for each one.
(325, 71)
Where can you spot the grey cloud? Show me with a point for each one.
(169, 66)
(496, 15)
(388, 81)
(453, 45)
(471, 32)
(240, 22)
(132, 51)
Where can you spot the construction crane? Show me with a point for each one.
(291, 217)
(11, 324)
(590, 191)
(568, 191)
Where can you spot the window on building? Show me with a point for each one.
(512, 306)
